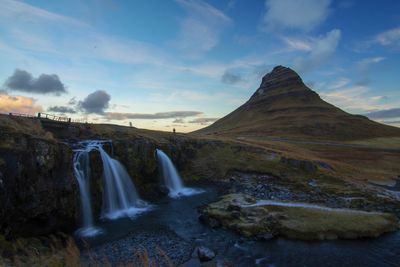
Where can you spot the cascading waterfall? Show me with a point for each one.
(82, 174)
(172, 179)
(120, 198)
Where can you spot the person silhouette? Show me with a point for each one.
(173, 130)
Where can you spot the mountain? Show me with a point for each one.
(283, 106)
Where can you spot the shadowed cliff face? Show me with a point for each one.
(38, 192)
(283, 106)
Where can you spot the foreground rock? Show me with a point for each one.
(205, 254)
(264, 218)
(157, 247)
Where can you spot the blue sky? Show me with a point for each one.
(184, 63)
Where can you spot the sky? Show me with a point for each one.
(164, 64)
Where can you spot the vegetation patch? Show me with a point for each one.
(252, 217)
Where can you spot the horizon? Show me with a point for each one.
(184, 64)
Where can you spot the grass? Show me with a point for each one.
(363, 165)
(305, 223)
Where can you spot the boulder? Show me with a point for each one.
(205, 254)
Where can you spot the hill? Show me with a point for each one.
(283, 106)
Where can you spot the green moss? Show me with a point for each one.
(298, 222)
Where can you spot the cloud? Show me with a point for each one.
(72, 101)
(297, 44)
(18, 104)
(354, 98)
(147, 116)
(179, 120)
(61, 109)
(22, 80)
(322, 50)
(389, 37)
(364, 64)
(339, 83)
(384, 114)
(200, 30)
(95, 102)
(230, 77)
(203, 121)
(299, 15)
(17, 10)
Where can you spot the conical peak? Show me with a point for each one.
(280, 77)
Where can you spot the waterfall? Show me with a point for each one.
(82, 174)
(120, 198)
(172, 179)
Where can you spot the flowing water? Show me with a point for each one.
(120, 198)
(181, 216)
(172, 179)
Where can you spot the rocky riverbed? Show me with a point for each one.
(174, 228)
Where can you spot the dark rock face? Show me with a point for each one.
(38, 192)
(279, 77)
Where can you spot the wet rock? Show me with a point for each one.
(205, 254)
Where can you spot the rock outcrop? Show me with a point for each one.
(38, 191)
(266, 218)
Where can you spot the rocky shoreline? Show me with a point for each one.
(267, 186)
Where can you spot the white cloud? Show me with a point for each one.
(354, 98)
(322, 49)
(18, 10)
(389, 37)
(364, 64)
(201, 29)
(295, 14)
(339, 83)
(297, 44)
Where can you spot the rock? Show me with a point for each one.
(266, 219)
(205, 254)
(212, 222)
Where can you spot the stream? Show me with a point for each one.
(173, 226)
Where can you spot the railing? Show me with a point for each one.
(53, 117)
(49, 117)
(21, 115)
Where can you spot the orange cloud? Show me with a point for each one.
(19, 104)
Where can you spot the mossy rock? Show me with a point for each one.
(253, 218)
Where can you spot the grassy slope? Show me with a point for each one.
(369, 163)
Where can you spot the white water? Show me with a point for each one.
(120, 198)
(172, 179)
(265, 202)
(82, 174)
